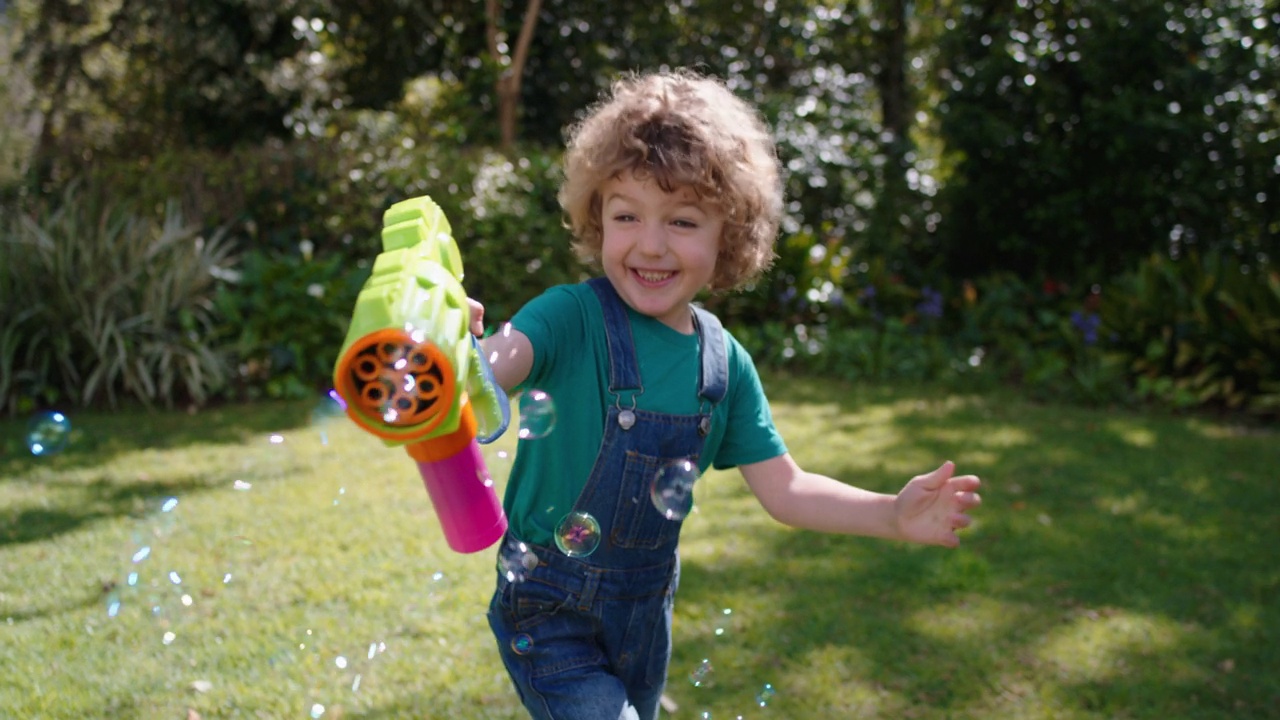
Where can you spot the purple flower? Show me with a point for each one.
(1087, 324)
(931, 303)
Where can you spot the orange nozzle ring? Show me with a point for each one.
(396, 388)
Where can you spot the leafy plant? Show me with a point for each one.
(1203, 329)
(283, 316)
(109, 304)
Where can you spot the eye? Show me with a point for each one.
(683, 223)
(623, 217)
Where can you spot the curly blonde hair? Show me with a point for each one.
(679, 129)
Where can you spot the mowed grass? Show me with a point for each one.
(1123, 566)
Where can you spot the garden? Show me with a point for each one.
(1035, 239)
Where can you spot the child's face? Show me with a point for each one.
(659, 248)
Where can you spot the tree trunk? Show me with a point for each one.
(895, 125)
(508, 87)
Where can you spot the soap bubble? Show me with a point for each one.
(703, 675)
(516, 560)
(537, 415)
(48, 433)
(328, 409)
(672, 489)
(725, 620)
(522, 644)
(765, 695)
(578, 534)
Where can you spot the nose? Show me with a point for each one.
(653, 240)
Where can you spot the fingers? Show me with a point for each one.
(936, 479)
(476, 325)
(968, 500)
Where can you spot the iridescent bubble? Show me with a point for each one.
(521, 644)
(48, 433)
(672, 489)
(113, 605)
(329, 409)
(537, 415)
(516, 560)
(578, 534)
(703, 675)
(317, 711)
(765, 695)
(723, 623)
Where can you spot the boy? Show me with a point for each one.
(672, 187)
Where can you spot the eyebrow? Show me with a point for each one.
(691, 204)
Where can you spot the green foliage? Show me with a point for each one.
(312, 212)
(106, 303)
(283, 317)
(1202, 330)
(1086, 135)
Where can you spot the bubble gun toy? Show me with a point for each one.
(411, 374)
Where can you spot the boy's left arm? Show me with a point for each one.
(929, 509)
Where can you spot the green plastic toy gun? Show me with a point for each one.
(411, 374)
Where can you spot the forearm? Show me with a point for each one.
(817, 502)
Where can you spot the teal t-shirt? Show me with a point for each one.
(571, 364)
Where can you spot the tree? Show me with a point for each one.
(509, 81)
(130, 76)
(1088, 134)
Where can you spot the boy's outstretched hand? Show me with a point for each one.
(933, 506)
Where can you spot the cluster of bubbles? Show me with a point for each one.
(163, 594)
(577, 534)
(703, 675)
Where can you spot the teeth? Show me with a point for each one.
(653, 276)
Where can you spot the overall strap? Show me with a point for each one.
(713, 382)
(624, 373)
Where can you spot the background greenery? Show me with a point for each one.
(1119, 568)
(1074, 197)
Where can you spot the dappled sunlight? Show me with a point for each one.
(1228, 431)
(1132, 434)
(991, 436)
(971, 619)
(1097, 645)
(806, 684)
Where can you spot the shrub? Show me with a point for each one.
(1201, 330)
(283, 316)
(108, 303)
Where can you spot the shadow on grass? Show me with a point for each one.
(100, 500)
(1116, 567)
(99, 436)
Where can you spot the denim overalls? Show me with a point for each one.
(589, 638)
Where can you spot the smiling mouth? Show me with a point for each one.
(653, 277)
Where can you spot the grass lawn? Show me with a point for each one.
(1123, 566)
